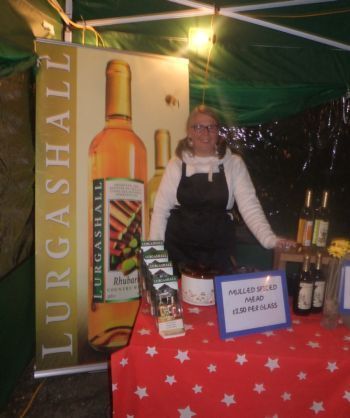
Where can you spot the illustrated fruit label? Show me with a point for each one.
(117, 232)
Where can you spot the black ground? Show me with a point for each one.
(83, 395)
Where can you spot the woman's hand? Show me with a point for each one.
(285, 243)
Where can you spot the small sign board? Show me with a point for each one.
(251, 302)
(344, 295)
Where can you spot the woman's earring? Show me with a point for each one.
(189, 142)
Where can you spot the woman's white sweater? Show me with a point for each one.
(240, 188)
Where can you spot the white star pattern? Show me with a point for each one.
(188, 327)
(205, 341)
(347, 395)
(197, 389)
(211, 368)
(124, 362)
(182, 356)
(129, 416)
(259, 387)
(229, 339)
(228, 399)
(347, 338)
(211, 324)
(194, 310)
(144, 331)
(286, 396)
(332, 366)
(272, 364)
(290, 330)
(141, 392)
(114, 386)
(170, 379)
(269, 333)
(292, 347)
(313, 344)
(186, 412)
(151, 351)
(296, 321)
(317, 407)
(346, 348)
(302, 375)
(241, 359)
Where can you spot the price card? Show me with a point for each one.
(344, 295)
(252, 302)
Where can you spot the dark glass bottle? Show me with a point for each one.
(306, 221)
(319, 285)
(302, 301)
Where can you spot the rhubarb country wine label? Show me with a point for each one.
(118, 172)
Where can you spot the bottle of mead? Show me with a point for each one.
(118, 172)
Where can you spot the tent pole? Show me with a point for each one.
(229, 12)
(67, 35)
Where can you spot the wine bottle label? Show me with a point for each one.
(305, 296)
(301, 226)
(317, 301)
(307, 233)
(322, 233)
(117, 231)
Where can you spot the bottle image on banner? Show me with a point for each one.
(302, 300)
(306, 221)
(319, 285)
(162, 156)
(118, 172)
(321, 225)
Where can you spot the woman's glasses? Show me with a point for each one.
(200, 129)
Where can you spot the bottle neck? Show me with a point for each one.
(306, 265)
(325, 200)
(118, 93)
(308, 198)
(119, 122)
(318, 261)
(162, 148)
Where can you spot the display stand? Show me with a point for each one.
(296, 255)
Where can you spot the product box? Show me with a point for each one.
(167, 306)
(148, 248)
(155, 270)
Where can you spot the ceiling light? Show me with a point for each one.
(200, 39)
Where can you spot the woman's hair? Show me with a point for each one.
(184, 145)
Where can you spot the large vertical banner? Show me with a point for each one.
(70, 113)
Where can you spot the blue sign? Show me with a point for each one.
(344, 290)
(251, 303)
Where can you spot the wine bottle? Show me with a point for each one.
(321, 226)
(118, 172)
(303, 293)
(162, 155)
(319, 285)
(306, 221)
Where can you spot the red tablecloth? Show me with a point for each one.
(299, 372)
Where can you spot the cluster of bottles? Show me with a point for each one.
(310, 287)
(313, 223)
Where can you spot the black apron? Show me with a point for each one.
(200, 231)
